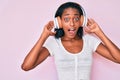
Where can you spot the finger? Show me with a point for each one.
(52, 33)
(87, 29)
(89, 22)
(50, 25)
(92, 20)
(90, 29)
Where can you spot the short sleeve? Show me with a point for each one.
(96, 44)
(49, 44)
(92, 41)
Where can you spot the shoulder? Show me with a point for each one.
(90, 37)
(51, 44)
(50, 41)
(91, 41)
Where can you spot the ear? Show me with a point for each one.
(59, 22)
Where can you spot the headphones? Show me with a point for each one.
(57, 21)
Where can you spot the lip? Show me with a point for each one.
(71, 31)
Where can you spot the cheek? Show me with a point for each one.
(64, 24)
(78, 24)
(65, 28)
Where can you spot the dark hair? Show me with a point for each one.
(59, 12)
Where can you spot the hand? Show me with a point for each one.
(47, 29)
(93, 27)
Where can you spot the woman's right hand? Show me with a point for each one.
(47, 29)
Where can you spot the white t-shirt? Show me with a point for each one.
(73, 66)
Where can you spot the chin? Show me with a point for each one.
(71, 36)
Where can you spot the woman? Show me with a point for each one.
(71, 49)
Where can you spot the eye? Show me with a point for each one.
(76, 19)
(66, 19)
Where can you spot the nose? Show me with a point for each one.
(72, 22)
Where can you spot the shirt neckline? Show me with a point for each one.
(70, 52)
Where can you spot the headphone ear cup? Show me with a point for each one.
(59, 22)
(81, 20)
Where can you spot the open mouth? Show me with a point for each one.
(71, 30)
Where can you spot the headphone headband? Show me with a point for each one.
(85, 17)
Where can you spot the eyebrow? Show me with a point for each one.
(69, 14)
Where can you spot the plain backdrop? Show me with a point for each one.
(22, 21)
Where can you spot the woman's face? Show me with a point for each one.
(70, 22)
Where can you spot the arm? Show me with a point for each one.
(38, 53)
(107, 48)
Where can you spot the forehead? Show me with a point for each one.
(70, 11)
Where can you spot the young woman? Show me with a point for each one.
(71, 48)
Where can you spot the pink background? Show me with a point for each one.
(21, 23)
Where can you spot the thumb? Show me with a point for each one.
(87, 30)
(52, 33)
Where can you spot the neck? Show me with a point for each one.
(70, 39)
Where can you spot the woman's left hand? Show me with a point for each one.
(93, 27)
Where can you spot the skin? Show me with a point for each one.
(71, 21)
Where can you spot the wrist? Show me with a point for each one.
(44, 35)
(101, 35)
